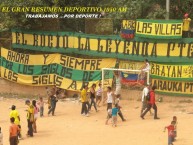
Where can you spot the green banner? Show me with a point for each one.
(77, 75)
(53, 69)
(111, 46)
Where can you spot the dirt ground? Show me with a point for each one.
(70, 128)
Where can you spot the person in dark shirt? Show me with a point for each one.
(53, 101)
(92, 97)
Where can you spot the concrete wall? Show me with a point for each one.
(9, 88)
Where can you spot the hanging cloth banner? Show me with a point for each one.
(131, 78)
(169, 78)
(177, 88)
(53, 69)
(159, 29)
(172, 71)
(111, 46)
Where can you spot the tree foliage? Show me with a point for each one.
(145, 9)
(17, 20)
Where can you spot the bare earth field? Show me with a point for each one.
(68, 127)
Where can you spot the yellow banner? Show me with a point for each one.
(64, 60)
(162, 28)
(103, 47)
(54, 69)
(173, 87)
(48, 79)
(128, 24)
(29, 59)
(133, 65)
(184, 71)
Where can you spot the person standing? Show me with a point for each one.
(36, 110)
(145, 68)
(117, 102)
(99, 95)
(117, 75)
(109, 98)
(53, 100)
(92, 97)
(109, 115)
(186, 26)
(151, 104)
(41, 105)
(15, 114)
(30, 117)
(49, 94)
(114, 115)
(144, 98)
(13, 132)
(83, 97)
(170, 132)
(87, 101)
(1, 137)
(175, 127)
(118, 93)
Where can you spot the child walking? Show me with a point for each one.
(170, 132)
(92, 97)
(117, 101)
(175, 127)
(13, 132)
(109, 98)
(99, 95)
(54, 100)
(109, 115)
(114, 115)
(41, 105)
(83, 96)
(15, 114)
(1, 137)
(36, 110)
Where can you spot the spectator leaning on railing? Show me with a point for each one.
(186, 26)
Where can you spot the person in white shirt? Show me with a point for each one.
(109, 115)
(1, 137)
(145, 68)
(117, 93)
(109, 98)
(99, 94)
(143, 98)
(117, 75)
